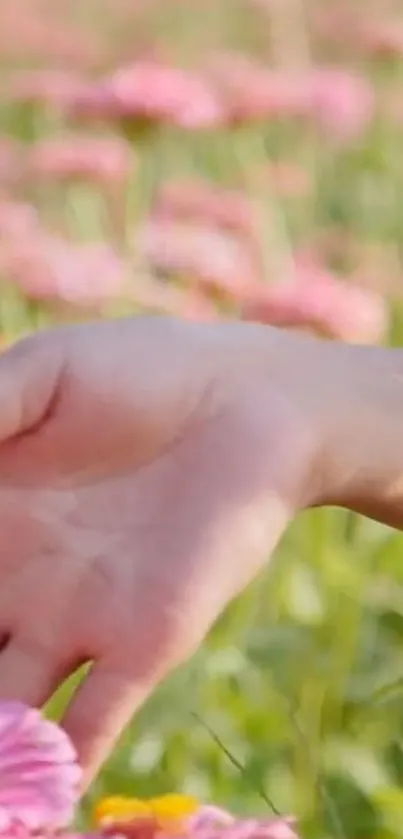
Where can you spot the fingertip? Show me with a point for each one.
(29, 375)
(98, 712)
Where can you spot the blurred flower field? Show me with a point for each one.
(231, 159)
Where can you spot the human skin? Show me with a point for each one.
(148, 468)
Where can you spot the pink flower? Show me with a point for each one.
(102, 160)
(93, 102)
(151, 92)
(381, 38)
(277, 828)
(17, 219)
(197, 201)
(204, 236)
(214, 823)
(39, 775)
(18, 222)
(54, 88)
(251, 91)
(46, 267)
(342, 102)
(150, 295)
(208, 816)
(318, 301)
(200, 254)
(208, 823)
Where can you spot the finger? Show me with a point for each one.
(98, 712)
(29, 375)
(28, 672)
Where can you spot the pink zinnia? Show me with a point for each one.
(151, 295)
(316, 300)
(207, 823)
(342, 102)
(39, 775)
(200, 254)
(55, 88)
(151, 92)
(199, 201)
(381, 38)
(251, 91)
(203, 235)
(102, 160)
(47, 267)
(218, 825)
(19, 222)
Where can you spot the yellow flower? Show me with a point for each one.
(167, 810)
(120, 809)
(173, 807)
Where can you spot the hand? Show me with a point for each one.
(147, 469)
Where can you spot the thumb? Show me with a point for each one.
(29, 377)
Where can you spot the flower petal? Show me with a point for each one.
(39, 775)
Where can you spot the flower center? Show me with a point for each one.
(167, 811)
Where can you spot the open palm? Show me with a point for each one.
(147, 468)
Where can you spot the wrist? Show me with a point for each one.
(284, 377)
(364, 438)
(347, 404)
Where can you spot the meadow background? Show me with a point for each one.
(221, 159)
